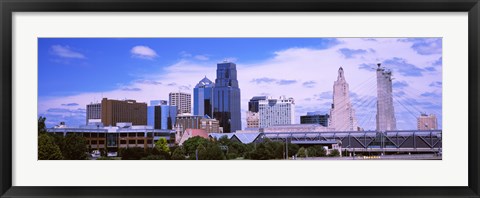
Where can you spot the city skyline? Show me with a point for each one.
(304, 69)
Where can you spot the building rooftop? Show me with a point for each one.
(245, 138)
(205, 82)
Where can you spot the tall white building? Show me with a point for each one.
(272, 111)
(183, 101)
(342, 114)
(385, 112)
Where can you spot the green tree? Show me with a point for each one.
(47, 149)
(262, 152)
(235, 149)
(162, 145)
(192, 144)
(301, 152)
(311, 152)
(42, 128)
(320, 151)
(73, 147)
(292, 149)
(134, 153)
(178, 154)
(214, 152)
(334, 153)
(277, 149)
(201, 152)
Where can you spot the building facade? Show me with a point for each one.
(210, 125)
(94, 112)
(385, 112)
(165, 117)
(183, 101)
(253, 103)
(274, 111)
(315, 118)
(113, 138)
(427, 122)
(342, 114)
(188, 121)
(203, 98)
(151, 111)
(253, 120)
(114, 111)
(226, 97)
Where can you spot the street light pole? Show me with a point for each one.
(286, 150)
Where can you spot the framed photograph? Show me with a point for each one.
(239, 98)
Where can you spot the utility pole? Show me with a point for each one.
(286, 147)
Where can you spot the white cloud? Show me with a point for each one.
(231, 59)
(65, 52)
(202, 57)
(143, 52)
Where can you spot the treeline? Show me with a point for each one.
(223, 149)
(58, 147)
(74, 147)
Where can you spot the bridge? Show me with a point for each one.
(427, 138)
(398, 141)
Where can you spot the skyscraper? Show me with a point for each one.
(342, 114)
(203, 98)
(160, 115)
(274, 111)
(114, 111)
(226, 97)
(183, 101)
(385, 112)
(165, 117)
(151, 111)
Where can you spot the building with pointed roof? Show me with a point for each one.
(203, 97)
(342, 114)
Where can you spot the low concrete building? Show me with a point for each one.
(123, 135)
(289, 128)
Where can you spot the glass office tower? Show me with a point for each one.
(165, 117)
(203, 98)
(226, 97)
(160, 115)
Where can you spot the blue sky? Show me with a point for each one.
(76, 71)
(105, 63)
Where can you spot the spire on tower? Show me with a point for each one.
(340, 74)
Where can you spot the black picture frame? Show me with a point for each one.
(10, 6)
